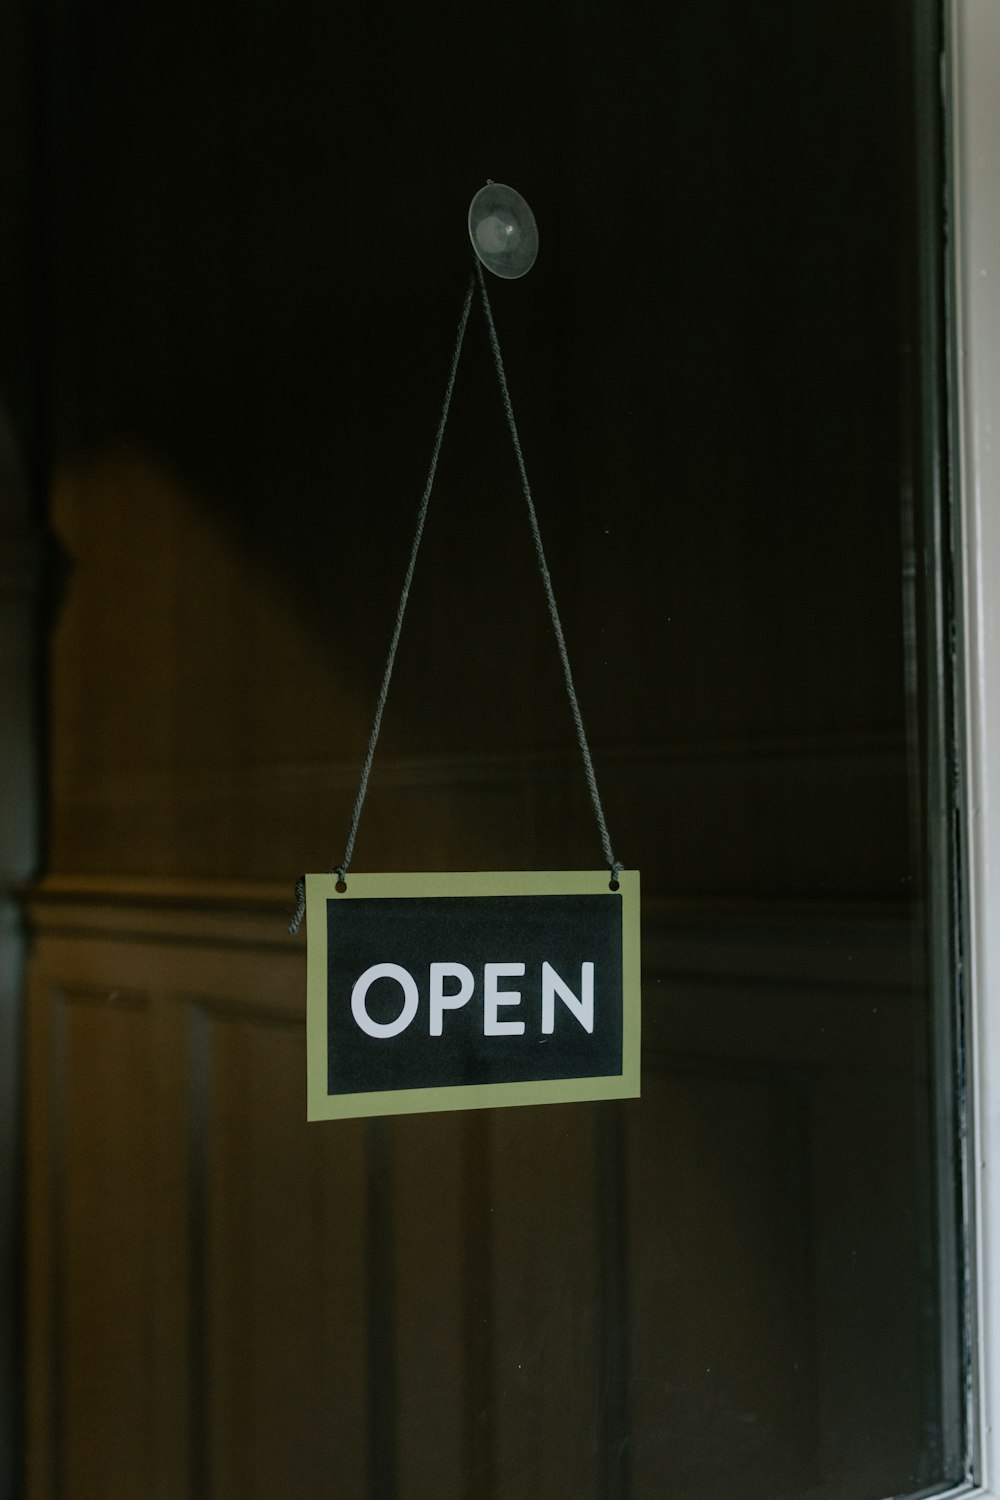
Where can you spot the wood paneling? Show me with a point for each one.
(196, 1256)
(528, 1303)
(103, 1233)
(441, 1325)
(545, 1243)
(96, 1233)
(208, 721)
(278, 1300)
(721, 1241)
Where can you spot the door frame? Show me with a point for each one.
(973, 109)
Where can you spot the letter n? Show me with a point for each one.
(582, 1006)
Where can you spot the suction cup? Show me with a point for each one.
(503, 231)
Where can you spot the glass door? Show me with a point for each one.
(727, 371)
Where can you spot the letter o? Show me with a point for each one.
(360, 993)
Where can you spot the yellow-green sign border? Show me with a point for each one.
(323, 888)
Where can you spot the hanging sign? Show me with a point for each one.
(462, 991)
(430, 992)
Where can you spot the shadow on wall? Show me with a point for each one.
(254, 298)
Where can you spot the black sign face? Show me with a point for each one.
(469, 995)
(455, 990)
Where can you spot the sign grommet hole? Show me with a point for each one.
(341, 885)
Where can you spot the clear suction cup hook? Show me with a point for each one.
(503, 231)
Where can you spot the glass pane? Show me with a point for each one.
(745, 1284)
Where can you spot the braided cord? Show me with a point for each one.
(341, 869)
(588, 765)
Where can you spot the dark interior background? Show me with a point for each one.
(237, 280)
(255, 223)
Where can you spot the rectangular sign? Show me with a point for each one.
(462, 991)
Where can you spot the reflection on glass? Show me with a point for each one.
(743, 1285)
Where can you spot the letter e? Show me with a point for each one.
(494, 998)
